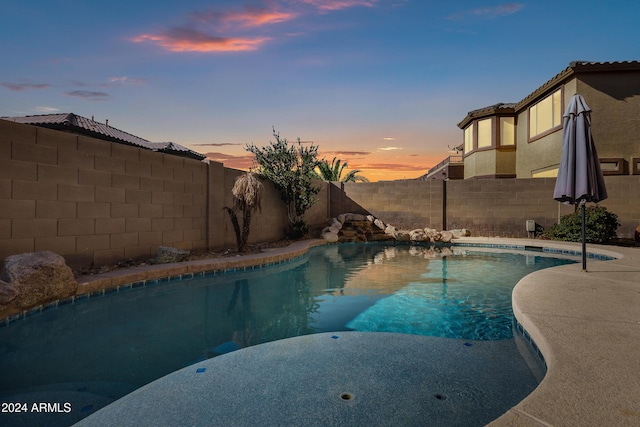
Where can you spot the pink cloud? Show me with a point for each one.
(226, 30)
(189, 40)
(329, 5)
(250, 17)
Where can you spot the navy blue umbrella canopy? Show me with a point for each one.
(579, 176)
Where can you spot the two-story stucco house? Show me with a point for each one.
(524, 140)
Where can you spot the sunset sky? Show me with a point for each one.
(380, 84)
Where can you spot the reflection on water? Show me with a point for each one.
(112, 344)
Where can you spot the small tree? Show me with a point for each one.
(247, 195)
(290, 168)
(333, 172)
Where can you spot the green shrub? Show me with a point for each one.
(600, 226)
(298, 230)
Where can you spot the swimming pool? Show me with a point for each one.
(96, 351)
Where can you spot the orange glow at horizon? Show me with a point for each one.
(377, 166)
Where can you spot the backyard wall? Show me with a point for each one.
(97, 202)
(487, 207)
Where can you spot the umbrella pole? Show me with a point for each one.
(584, 241)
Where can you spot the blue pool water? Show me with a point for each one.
(97, 350)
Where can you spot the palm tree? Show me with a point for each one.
(247, 195)
(333, 172)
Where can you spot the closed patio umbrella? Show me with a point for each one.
(579, 176)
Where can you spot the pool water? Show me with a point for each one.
(97, 350)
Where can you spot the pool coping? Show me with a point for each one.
(585, 324)
(587, 327)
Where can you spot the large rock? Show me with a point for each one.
(167, 254)
(418, 235)
(391, 230)
(462, 232)
(330, 236)
(380, 237)
(403, 235)
(336, 223)
(7, 294)
(446, 236)
(379, 224)
(432, 234)
(36, 278)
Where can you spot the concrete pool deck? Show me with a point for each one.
(586, 324)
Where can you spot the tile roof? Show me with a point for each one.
(577, 67)
(574, 67)
(73, 122)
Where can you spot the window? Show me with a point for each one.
(547, 173)
(546, 114)
(484, 133)
(468, 139)
(507, 131)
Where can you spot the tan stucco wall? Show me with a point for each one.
(615, 101)
(490, 163)
(505, 161)
(482, 163)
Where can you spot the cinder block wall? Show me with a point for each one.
(405, 204)
(624, 201)
(491, 207)
(500, 207)
(97, 202)
(93, 201)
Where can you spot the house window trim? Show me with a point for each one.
(495, 135)
(548, 131)
(498, 135)
(474, 131)
(491, 146)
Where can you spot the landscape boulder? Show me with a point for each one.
(35, 278)
(462, 232)
(418, 235)
(7, 294)
(446, 236)
(403, 235)
(350, 227)
(330, 236)
(168, 254)
(391, 231)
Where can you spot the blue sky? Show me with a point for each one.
(378, 83)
